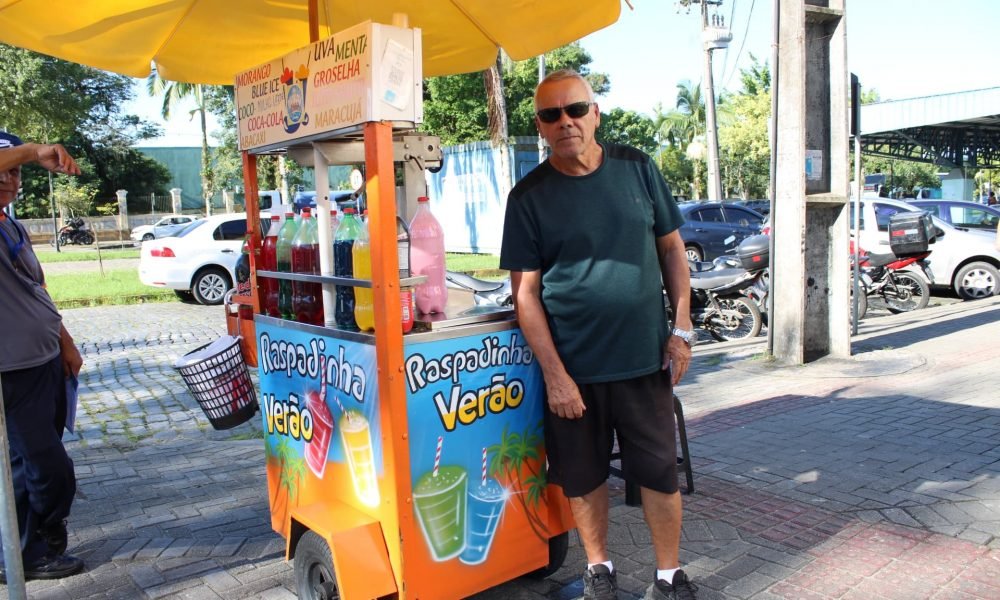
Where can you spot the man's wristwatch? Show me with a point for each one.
(688, 336)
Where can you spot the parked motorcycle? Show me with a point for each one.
(484, 292)
(719, 304)
(75, 232)
(883, 278)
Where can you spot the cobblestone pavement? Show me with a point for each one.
(874, 477)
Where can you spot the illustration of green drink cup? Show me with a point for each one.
(439, 499)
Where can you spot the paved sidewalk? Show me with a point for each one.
(876, 477)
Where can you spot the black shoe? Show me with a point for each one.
(680, 588)
(56, 537)
(51, 566)
(599, 583)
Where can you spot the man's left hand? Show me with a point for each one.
(72, 361)
(677, 358)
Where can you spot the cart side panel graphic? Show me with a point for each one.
(477, 456)
(319, 405)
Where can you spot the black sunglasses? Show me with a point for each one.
(574, 111)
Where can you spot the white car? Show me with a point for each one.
(165, 227)
(966, 260)
(200, 260)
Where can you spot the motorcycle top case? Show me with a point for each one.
(754, 252)
(910, 233)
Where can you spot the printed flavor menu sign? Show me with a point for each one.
(369, 72)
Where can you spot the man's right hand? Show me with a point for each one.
(564, 398)
(55, 158)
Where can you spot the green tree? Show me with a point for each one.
(745, 150)
(45, 99)
(677, 129)
(756, 78)
(455, 106)
(902, 176)
(628, 127)
(175, 93)
(677, 169)
(227, 166)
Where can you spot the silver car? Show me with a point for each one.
(964, 259)
(167, 226)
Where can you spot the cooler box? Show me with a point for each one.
(754, 252)
(910, 233)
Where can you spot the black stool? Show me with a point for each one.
(633, 495)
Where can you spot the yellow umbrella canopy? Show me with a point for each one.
(209, 41)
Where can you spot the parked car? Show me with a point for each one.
(303, 199)
(962, 214)
(712, 228)
(761, 206)
(963, 259)
(167, 226)
(200, 261)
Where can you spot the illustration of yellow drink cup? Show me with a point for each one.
(356, 437)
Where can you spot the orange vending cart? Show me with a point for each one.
(399, 466)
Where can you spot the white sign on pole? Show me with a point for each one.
(369, 72)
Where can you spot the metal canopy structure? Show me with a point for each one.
(955, 130)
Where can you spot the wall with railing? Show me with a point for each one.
(132, 212)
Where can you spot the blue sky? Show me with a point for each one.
(902, 48)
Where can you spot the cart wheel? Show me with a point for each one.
(558, 546)
(314, 578)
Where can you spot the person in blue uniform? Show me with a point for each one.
(37, 356)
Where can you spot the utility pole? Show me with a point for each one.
(715, 36)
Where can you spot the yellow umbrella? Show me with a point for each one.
(209, 41)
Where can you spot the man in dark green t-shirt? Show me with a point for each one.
(591, 240)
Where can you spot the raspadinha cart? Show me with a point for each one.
(399, 466)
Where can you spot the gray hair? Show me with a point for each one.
(562, 75)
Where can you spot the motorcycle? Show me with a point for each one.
(883, 278)
(716, 304)
(484, 293)
(719, 303)
(75, 232)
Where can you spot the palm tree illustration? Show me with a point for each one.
(516, 454)
(291, 470)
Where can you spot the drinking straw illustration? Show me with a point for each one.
(437, 455)
(484, 466)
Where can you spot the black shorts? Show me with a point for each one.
(641, 412)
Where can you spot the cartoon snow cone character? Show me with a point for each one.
(295, 98)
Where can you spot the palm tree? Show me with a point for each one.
(684, 124)
(496, 119)
(175, 92)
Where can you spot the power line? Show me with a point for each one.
(725, 57)
(742, 43)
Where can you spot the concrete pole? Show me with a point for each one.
(175, 200)
(122, 212)
(714, 177)
(9, 532)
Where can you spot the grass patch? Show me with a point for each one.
(73, 290)
(469, 263)
(76, 256)
(122, 286)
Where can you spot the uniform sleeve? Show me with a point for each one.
(519, 250)
(666, 216)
